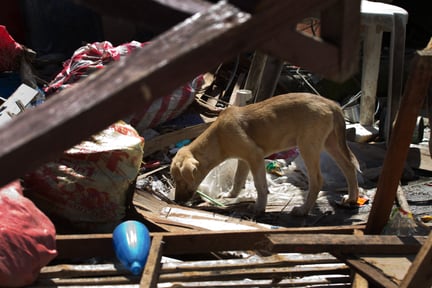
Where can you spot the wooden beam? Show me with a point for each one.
(84, 246)
(92, 245)
(344, 244)
(40, 134)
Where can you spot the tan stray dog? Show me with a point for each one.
(250, 133)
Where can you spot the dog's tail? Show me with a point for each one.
(340, 128)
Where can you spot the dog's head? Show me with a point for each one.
(184, 170)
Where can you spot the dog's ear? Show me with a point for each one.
(189, 169)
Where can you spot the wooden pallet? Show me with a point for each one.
(282, 257)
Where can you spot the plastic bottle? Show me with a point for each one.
(131, 240)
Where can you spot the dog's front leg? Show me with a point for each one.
(239, 180)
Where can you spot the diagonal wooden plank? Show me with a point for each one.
(416, 89)
(192, 47)
(372, 274)
(420, 273)
(116, 91)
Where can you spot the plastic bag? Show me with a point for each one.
(27, 238)
(400, 223)
(87, 186)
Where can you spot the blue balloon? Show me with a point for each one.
(131, 240)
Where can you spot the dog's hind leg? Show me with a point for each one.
(310, 152)
(345, 159)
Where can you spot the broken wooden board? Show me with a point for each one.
(165, 140)
(176, 218)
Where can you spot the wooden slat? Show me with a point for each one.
(277, 260)
(109, 281)
(82, 270)
(345, 244)
(84, 246)
(254, 273)
(150, 275)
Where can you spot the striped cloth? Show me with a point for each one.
(92, 57)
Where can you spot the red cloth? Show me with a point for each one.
(10, 51)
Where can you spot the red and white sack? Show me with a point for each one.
(95, 56)
(166, 108)
(27, 238)
(87, 186)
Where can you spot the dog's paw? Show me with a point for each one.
(255, 210)
(258, 209)
(347, 201)
(299, 211)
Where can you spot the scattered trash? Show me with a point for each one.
(210, 199)
(426, 218)
(400, 223)
(274, 167)
(20, 100)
